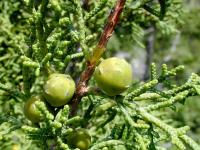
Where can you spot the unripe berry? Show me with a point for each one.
(79, 139)
(113, 75)
(59, 89)
(30, 109)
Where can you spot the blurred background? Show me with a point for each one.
(181, 47)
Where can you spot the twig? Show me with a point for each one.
(82, 88)
(86, 4)
(149, 44)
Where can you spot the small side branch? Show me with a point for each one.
(177, 134)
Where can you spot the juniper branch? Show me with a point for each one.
(174, 133)
(97, 52)
(103, 144)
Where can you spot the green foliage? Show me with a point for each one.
(41, 37)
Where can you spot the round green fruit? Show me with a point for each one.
(79, 139)
(113, 75)
(31, 111)
(59, 89)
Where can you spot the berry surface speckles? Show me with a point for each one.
(59, 89)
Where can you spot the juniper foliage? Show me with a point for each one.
(39, 37)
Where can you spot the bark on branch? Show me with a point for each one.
(82, 88)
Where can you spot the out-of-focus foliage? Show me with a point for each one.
(184, 48)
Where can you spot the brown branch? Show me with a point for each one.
(82, 88)
(86, 4)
